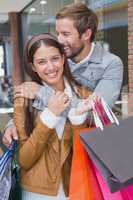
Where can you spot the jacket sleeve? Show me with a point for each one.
(30, 148)
(110, 84)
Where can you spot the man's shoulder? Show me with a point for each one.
(105, 55)
(111, 56)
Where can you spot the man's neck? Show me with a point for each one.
(82, 54)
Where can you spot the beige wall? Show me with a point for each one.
(130, 44)
(130, 57)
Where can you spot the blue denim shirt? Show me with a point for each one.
(42, 97)
(102, 73)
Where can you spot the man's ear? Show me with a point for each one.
(87, 34)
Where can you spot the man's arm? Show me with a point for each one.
(27, 89)
(110, 85)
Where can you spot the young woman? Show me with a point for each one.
(44, 124)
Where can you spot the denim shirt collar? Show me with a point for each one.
(45, 91)
(97, 54)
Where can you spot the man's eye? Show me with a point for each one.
(66, 34)
(55, 58)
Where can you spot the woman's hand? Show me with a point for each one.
(58, 102)
(86, 104)
(27, 89)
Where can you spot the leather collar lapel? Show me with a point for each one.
(66, 142)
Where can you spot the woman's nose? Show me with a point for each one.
(50, 65)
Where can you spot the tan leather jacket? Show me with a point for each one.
(43, 158)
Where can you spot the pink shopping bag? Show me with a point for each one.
(123, 194)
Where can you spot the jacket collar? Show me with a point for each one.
(97, 54)
(95, 57)
(63, 146)
(66, 142)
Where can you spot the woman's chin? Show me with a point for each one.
(53, 80)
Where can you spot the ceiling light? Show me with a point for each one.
(43, 2)
(32, 10)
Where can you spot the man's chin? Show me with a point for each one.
(68, 55)
(71, 57)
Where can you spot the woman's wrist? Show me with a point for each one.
(49, 118)
(77, 119)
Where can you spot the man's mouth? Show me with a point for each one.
(66, 48)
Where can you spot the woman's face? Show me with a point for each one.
(49, 65)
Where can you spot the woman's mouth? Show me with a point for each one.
(52, 75)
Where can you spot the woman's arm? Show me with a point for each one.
(31, 147)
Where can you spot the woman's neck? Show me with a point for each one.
(60, 86)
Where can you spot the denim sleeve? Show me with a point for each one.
(110, 85)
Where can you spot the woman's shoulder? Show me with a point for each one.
(21, 102)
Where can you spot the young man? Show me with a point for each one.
(91, 65)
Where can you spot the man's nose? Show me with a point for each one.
(61, 39)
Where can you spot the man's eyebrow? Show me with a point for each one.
(62, 32)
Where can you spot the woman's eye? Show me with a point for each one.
(41, 62)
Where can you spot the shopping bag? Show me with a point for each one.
(15, 191)
(102, 113)
(123, 194)
(83, 182)
(111, 151)
(6, 172)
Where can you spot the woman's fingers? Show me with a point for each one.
(58, 102)
(61, 96)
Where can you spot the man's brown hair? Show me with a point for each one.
(82, 16)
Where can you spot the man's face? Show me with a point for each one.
(69, 37)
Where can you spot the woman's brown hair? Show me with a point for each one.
(31, 47)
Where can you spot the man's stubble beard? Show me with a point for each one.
(75, 52)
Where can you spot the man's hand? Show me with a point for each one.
(27, 89)
(9, 135)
